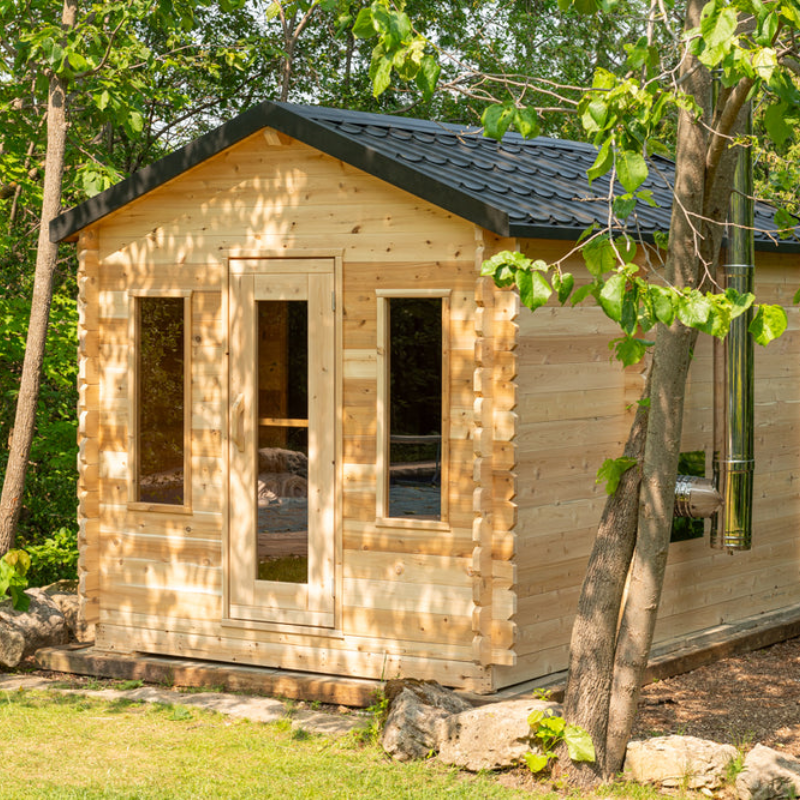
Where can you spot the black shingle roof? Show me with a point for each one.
(534, 188)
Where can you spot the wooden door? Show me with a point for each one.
(282, 447)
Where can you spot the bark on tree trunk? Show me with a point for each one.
(670, 369)
(594, 632)
(46, 255)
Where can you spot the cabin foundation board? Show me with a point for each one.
(313, 438)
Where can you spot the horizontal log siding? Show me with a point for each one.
(406, 595)
(572, 415)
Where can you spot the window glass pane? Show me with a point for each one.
(415, 407)
(282, 483)
(161, 401)
(692, 462)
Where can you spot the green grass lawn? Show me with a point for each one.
(56, 746)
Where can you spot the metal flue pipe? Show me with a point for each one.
(728, 499)
(734, 377)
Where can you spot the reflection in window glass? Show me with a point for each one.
(161, 401)
(692, 462)
(415, 407)
(282, 483)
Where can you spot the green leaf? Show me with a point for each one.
(718, 28)
(579, 744)
(647, 196)
(612, 295)
(796, 298)
(693, 309)
(19, 560)
(626, 247)
(526, 121)
(551, 726)
(786, 223)
(764, 63)
(534, 290)
(563, 284)
(380, 73)
(739, 302)
(582, 293)
(631, 169)
(535, 717)
(629, 350)
(602, 163)
(612, 471)
(536, 761)
(19, 600)
(427, 77)
(775, 123)
(599, 256)
(496, 119)
(768, 324)
(624, 205)
(595, 116)
(363, 28)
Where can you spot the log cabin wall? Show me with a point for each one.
(405, 595)
(573, 412)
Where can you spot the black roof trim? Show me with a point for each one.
(533, 188)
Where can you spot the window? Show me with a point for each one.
(692, 462)
(413, 405)
(159, 405)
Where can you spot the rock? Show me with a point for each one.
(415, 708)
(679, 762)
(68, 606)
(12, 646)
(768, 774)
(277, 459)
(494, 736)
(42, 625)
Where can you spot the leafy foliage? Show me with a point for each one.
(13, 568)
(552, 730)
(612, 470)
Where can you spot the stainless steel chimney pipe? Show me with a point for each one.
(730, 506)
(734, 377)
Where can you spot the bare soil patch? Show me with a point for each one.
(742, 700)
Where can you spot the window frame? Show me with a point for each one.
(383, 297)
(134, 337)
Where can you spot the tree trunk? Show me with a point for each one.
(594, 631)
(671, 361)
(46, 255)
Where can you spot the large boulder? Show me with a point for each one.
(679, 762)
(494, 736)
(415, 709)
(42, 625)
(768, 774)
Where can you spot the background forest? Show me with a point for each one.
(163, 75)
(147, 76)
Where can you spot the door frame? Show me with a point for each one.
(287, 261)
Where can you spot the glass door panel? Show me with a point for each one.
(281, 520)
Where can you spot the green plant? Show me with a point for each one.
(14, 566)
(377, 714)
(552, 731)
(734, 767)
(54, 559)
(543, 694)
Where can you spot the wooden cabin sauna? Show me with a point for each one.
(312, 437)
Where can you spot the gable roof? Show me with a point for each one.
(527, 188)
